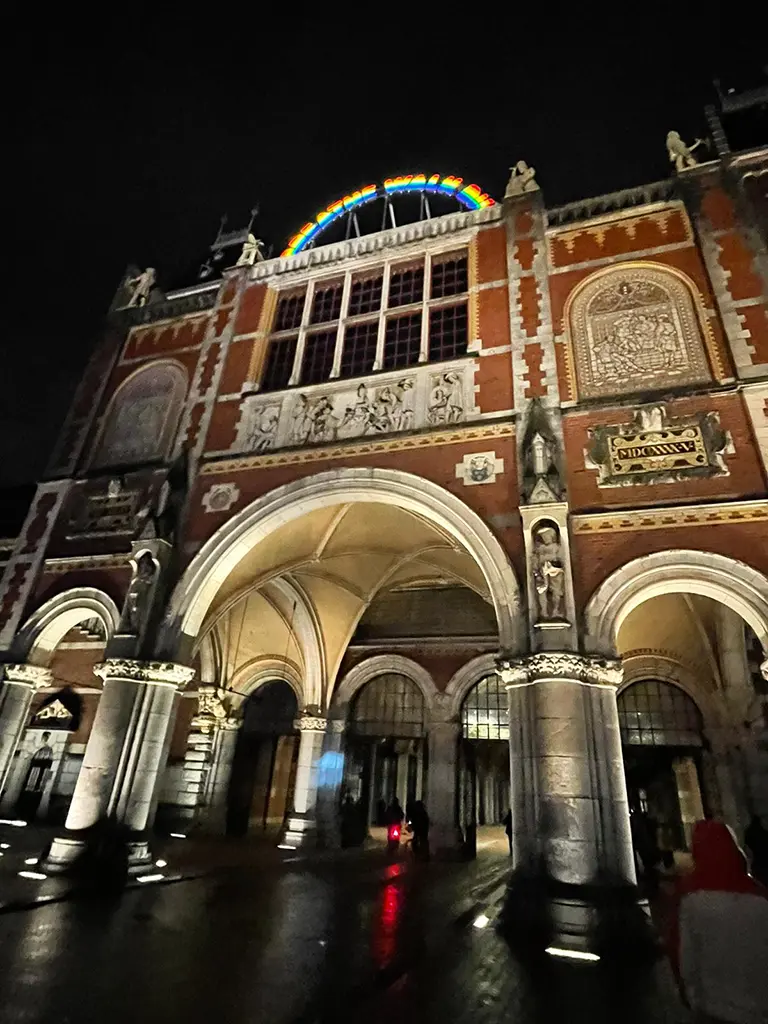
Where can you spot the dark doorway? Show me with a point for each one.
(264, 766)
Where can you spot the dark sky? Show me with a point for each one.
(127, 139)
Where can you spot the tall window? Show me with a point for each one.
(390, 320)
(141, 420)
(485, 713)
(390, 705)
(653, 713)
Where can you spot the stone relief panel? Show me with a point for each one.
(479, 468)
(142, 417)
(635, 329)
(656, 449)
(432, 396)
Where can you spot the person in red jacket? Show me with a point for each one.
(719, 939)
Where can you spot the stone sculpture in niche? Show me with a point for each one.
(680, 155)
(522, 179)
(635, 330)
(446, 399)
(548, 573)
(138, 599)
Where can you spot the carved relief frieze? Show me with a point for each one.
(654, 449)
(392, 403)
(104, 514)
(636, 329)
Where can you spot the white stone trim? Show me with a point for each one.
(733, 583)
(44, 629)
(262, 670)
(217, 558)
(379, 665)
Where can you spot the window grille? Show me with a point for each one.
(390, 705)
(449, 277)
(289, 312)
(359, 351)
(657, 714)
(485, 712)
(326, 304)
(365, 295)
(279, 366)
(447, 332)
(402, 341)
(318, 357)
(406, 286)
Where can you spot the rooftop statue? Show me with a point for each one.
(141, 286)
(251, 252)
(679, 154)
(522, 179)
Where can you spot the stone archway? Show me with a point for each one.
(224, 551)
(733, 583)
(49, 623)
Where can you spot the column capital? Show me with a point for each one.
(33, 676)
(166, 673)
(311, 723)
(764, 670)
(211, 712)
(590, 669)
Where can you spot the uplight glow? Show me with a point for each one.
(571, 954)
(37, 875)
(481, 921)
(471, 196)
(13, 821)
(178, 835)
(150, 878)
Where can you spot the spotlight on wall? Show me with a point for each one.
(37, 875)
(5, 846)
(571, 954)
(285, 846)
(31, 860)
(177, 835)
(16, 823)
(161, 863)
(481, 921)
(150, 878)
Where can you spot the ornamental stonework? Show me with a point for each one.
(654, 448)
(636, 329)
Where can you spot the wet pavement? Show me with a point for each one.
(353, 938)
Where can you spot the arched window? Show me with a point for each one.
(635, 328)
(390, 705)
(141, 421)
(658, 714)
(485, 712)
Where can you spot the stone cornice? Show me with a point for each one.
(588, 210)
(33, 676)
(664, 518)
(166, 673)
(78, 563)
(567, 665)
(427, 439)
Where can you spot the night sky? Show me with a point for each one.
(128, 139)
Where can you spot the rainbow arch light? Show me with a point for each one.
(471, 196)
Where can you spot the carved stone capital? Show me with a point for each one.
(311, 723)
(210, 708)
(583, 668)
(336, 725)
(32, 676)
(764, 670)
(166, 673)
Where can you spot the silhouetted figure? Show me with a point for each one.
(381, 812)
(395, 813)
(644, 831)
(508, 829)
(420, 824)
(756, 841)
(103, 865)
(349, 824)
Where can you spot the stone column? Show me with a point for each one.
(19, 686)
(301, 826)
(124, 755)
(201, 750)
(445, 838)
(570, 812)
(217, 791)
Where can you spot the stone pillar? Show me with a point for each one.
(570, 812)
(301, 826)
(124, 756)
(217, 792)
(201, 749)
(445, 838)
(19, 686)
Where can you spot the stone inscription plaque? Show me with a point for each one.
(664, 450)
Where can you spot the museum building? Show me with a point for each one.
(469, 509)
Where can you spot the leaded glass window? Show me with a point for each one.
(657, 714)
(485, 713)
(390, 705)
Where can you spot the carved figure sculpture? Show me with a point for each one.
(679, 154)
(521, 179)
(141, 286)
(137, 600)
(548, 573)
(251, 251)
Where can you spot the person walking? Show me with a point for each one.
(756, 841)
(719, 940)
(420, 825)
(508, 828)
